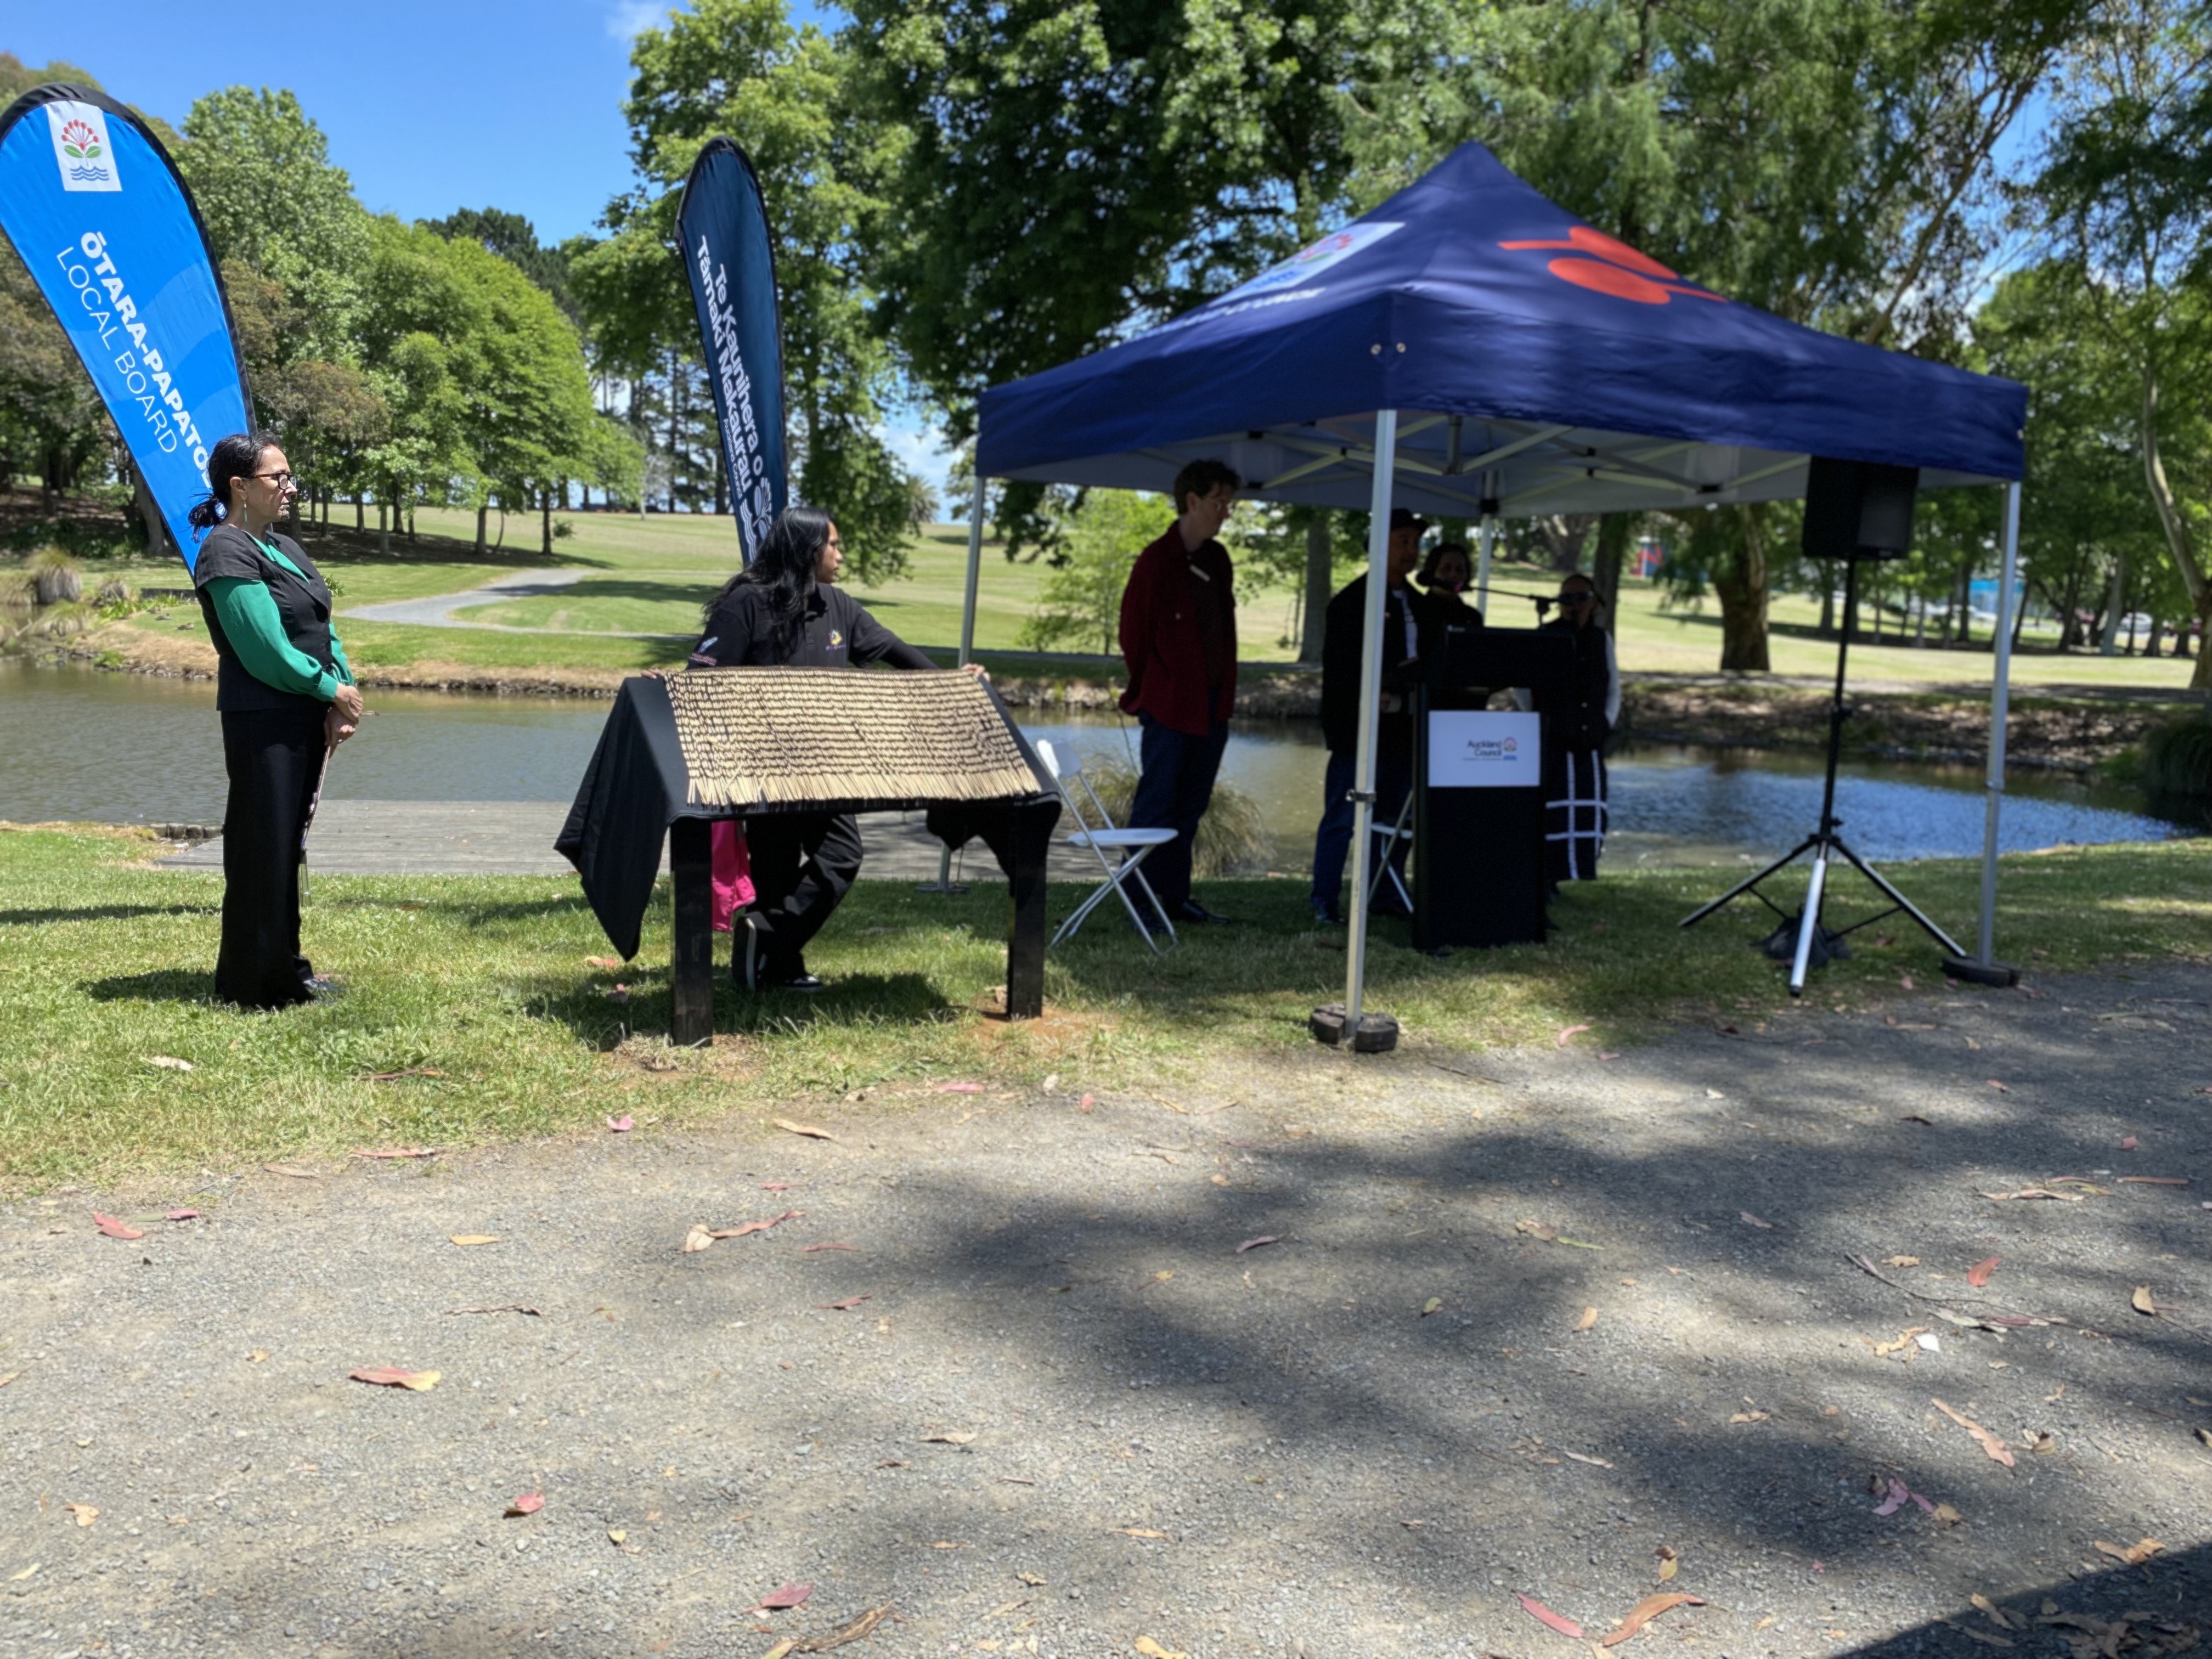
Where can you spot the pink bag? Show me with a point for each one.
(732, 871)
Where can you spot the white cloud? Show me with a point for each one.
(923, 452)
(628, 19)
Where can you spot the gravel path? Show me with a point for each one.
(437, 611)
(1529, 1320)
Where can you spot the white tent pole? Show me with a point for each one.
(1370, 702)
(975, 573)
(2000, 706)
(1488, 540)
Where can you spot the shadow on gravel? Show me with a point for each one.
(2160, 1608)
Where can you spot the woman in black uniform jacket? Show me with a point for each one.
(786, 610)
(287, 698)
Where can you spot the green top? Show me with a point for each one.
(256, 630)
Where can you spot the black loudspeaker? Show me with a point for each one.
(1858, 509)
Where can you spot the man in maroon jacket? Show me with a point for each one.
(1179, 641)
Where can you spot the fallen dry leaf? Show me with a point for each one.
(504, 1307)
(1589, 1319)
(2154, 1181)
(1432, 1305)
(1086, 1103)
(1140, 1531)
(809, 1249)
(1754, 1221)
(114, 1228)
(1254, 1244)
(1979, 1274)
(465, 1239)
(2140, 1301)
(742, 1229)
(1901, 1262)
(180, 1215)
(1559, 1622)
(1948, 1515)
(391, 1377)
(1750, 1417)
(1151, 1650)
(618, 1537)
(951, 1089)
(783, 1596)
(1537, 1230)
(1997, 1449)
(85, 1514)
(806, 1129)
(2128, 1143)
(1999, 1087)
(399, 1151)
(1670, 1563)
(950, 1437)
(168, 1063)
(1584, 1457)
(699, 1238)
(18, 1578)
(257, 1355)
(2036, 1192)
(621, 1126)
(529, 1503)
(1561, 1041)
(2134, 1554)
(602, 961)
(1644, 1612)
(850, 1302)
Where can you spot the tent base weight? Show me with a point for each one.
(1377, 1033)
(2001, 975)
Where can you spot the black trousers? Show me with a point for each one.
(275, 759)
(1173, 788)
(803, 864)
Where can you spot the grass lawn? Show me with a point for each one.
(484, 981)
(650, 577)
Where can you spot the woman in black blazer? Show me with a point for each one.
(286, 695)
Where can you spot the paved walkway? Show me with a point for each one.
(1296, 1358)
(515, 838)
(437, 611)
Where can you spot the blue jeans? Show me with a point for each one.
(1174, 789)
(1394, 779)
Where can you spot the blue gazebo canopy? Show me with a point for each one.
(1535, 362)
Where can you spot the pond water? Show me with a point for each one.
(76, 742)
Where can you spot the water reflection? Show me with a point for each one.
(129, 748)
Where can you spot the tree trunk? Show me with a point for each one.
(359, 522)
(2150, 641)
(1742, 593)
(484, 512)
(1564, 534)
(2179, 542)
(1318, 571)
(1614, 532)
(2115, 603)
(546, 543)
(385, 512)
(148, 510)
(411, 522)
(1964, 604)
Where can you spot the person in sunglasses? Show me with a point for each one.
(1576, 723)
(287, 698)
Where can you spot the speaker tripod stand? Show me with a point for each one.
(1815, 944)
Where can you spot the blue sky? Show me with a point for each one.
(429, 108)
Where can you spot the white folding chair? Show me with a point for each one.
(1134, 846)
(1387, 837)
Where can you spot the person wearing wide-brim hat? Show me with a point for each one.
(287, 698)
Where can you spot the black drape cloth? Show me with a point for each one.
(637, 784)
(275, 759)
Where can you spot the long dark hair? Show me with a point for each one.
(784, 565)
(238, 456)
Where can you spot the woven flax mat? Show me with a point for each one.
(807, 737)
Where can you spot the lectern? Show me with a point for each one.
(1479, 876)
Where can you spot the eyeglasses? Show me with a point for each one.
(281, 480)
(1577, 599)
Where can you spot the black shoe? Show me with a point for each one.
(1326, 915)
(802, 982)
(1191, 911)
(322, 988)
